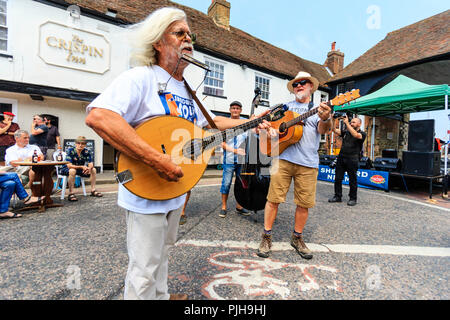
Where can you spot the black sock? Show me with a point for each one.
(268, 232)
(298, 235)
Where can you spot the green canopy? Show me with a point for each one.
(402, 95)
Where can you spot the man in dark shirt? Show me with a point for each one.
(38, 134)
(348, 159)
(53, 138)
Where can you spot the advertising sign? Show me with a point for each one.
(370, 179)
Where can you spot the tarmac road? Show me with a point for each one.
(386, 247)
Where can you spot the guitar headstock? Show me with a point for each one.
(344, 98)
(277, 112)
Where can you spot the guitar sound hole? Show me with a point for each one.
(282, 127)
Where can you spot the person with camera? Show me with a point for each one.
(348, 159)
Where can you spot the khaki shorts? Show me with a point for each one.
(305, 181)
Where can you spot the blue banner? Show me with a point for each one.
(370, 179)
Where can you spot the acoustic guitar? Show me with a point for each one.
(189, 146)
(290, 128)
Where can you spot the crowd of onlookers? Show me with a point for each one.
(18, 146)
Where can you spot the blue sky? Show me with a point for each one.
(307, 28)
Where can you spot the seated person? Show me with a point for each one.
(81, 164)
(21, 151)
(10, 184)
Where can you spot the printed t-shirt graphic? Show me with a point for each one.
(177, 106)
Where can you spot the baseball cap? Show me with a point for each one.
(236, 103)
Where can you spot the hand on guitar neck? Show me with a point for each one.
(265, 125)
(324, 111)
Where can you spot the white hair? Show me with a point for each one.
(145, 34)
(19, 133)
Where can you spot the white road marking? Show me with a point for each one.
(327, 248)
(207, 185)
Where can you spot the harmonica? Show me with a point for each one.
(189, 59)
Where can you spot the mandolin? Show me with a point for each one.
(189, 146)
(290, 128)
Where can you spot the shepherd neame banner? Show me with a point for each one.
(73, 48)
(366, 178)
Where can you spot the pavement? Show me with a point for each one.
(391, 246)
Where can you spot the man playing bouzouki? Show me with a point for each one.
(155, 87)
(299, 162)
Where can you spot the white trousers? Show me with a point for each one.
(149, 237)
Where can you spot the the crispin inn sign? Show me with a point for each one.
(73, 48)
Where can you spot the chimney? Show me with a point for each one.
(219, 11)
(335, 60)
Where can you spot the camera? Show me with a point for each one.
(339, 114)
(332, 165)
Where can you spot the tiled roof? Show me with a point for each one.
(421, 40)
(234, 43)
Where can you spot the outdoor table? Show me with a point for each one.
(429, 178)
(42, 185)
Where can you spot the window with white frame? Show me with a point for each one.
(214, 81)
(5, 107)
(3, 27)
(9, 105)
(264, 84)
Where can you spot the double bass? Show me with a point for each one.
(252, 185)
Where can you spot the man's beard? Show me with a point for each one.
(301, 95)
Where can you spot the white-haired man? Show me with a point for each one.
(147, 90)
(22, 151)
(299, 162)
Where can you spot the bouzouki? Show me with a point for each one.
(189, 146)
(290, 128)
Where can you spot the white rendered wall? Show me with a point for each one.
(25, 18)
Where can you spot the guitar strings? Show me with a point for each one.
(194, 147)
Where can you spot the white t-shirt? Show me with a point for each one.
(304, 152)
(134, 96)
(15, 152)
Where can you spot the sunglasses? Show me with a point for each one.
(301, 82)
(181, 35)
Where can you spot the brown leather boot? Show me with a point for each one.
(301, 248)
(265, 246)
(178, 296)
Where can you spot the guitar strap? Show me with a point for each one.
(202, 108)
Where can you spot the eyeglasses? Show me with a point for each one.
(181, 35)
(301, 82)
